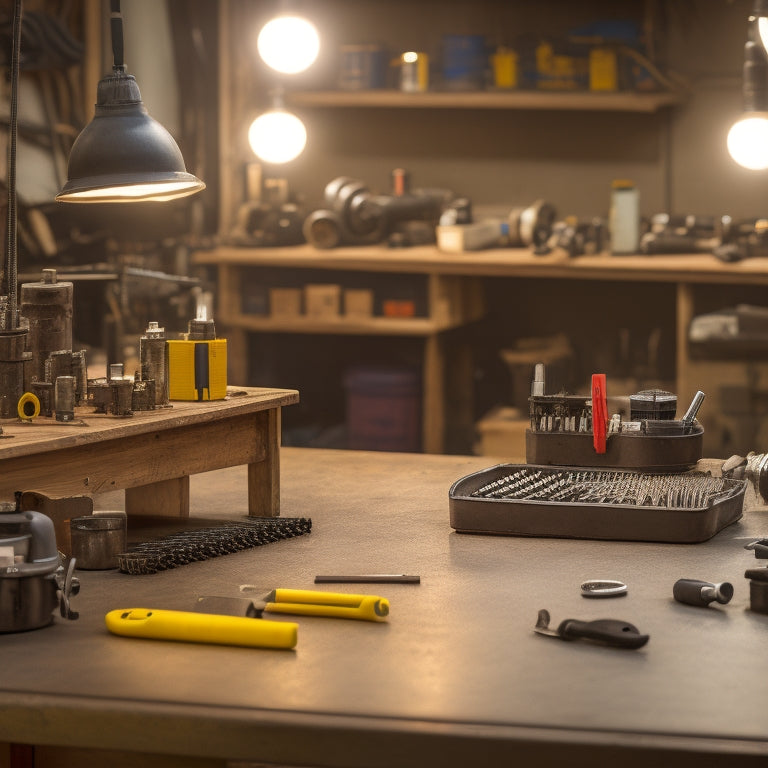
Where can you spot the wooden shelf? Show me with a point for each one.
(530, 100)
(374, 326)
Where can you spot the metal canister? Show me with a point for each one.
(97, 540)
(47, 306)
(153, 353)
(64, 398)
(414, 72)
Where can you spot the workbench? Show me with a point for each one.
(150, 454)
(455, 677)
(455, 298)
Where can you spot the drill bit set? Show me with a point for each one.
(191, 546)
(595, 503)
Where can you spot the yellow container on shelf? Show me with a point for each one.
(603, 70)
(505, 68)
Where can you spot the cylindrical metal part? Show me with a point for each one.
(693, 408)
(47, 306)
(64, 398)
(695, 592)
(43, 390)
(654, 404)
(97, 540)
(13, 361)
(122, 396)
(153, 354)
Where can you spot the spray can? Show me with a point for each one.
(414, 72)
(624, 217)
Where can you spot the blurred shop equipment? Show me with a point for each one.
(353, 215)
(524, 226)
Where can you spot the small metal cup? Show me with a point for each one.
(97, 540)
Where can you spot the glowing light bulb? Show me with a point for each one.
(277, 136)
(288, 44)
(748, 141)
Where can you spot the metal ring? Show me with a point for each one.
(603, 588)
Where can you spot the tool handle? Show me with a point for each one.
(369, 608)
(696, 592)
(195, 627)
(619, 634)
(599, 412)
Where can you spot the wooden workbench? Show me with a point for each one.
(150, 454)
(455, 677)
(456, 298)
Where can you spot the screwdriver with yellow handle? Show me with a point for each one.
(194, 627)
(305, 602)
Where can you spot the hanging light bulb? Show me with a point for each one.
(288, 44)
(277, 136)
(748, 141)
(748, 138)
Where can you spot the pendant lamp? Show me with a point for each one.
(123, 154)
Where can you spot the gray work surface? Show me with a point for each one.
(455, 677)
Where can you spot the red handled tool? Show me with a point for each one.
(599, 412)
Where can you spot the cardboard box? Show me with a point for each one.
(358, 302)
(285, 302)
(322, 300)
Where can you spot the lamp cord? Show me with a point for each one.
(12, 238)
(116, 30)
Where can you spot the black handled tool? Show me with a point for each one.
(695, 592)
(618, 634)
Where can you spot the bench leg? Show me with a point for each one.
(264, 475)
(167, 497)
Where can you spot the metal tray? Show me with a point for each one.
(594, 503)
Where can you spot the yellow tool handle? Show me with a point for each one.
(312, 603)
(193, 627)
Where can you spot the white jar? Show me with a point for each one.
(624, 220)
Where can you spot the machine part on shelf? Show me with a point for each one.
(28, 407)
(64, 398)
(575, 237)
(539, 381)
(702, 593)
(355, 216)
(261, 224)
(611, 632)
(624, 217)
(603, 588)
(531, 226)
(98, 540)
(654, 404)
(204, 543)
(758, 589)
(474, 236)
(32, 581)
(47, 307)
(153, 356)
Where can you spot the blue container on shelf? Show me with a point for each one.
(465, 62)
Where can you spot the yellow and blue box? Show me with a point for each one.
(197, 369)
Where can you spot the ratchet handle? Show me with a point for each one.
(619, 634)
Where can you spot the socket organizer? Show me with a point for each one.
(191, 546)
(595, 503)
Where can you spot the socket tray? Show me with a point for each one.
(595, 503)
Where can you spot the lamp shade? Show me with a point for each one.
(123, 155)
